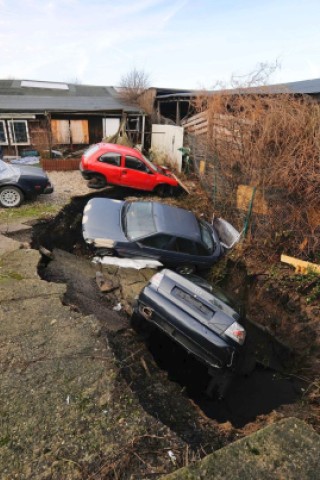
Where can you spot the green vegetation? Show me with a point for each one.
(28, 210)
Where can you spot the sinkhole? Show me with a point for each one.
(268, 387)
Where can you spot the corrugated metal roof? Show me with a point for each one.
(310, 87)
(77, 98)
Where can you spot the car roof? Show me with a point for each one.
(176, 221)
(122, 149)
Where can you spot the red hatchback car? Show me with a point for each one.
(107, 163)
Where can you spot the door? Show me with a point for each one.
(109, 164)
(135, 174)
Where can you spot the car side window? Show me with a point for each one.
(135, 164)
(160, 241)
(186, 246)
(111, 159)
(201, 250)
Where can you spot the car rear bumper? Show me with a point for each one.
(207, 346)
(48, 189)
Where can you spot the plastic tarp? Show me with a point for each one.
(136, 263)
(26, 161)
(8, 172)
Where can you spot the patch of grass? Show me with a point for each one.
(13, 275)
(28, 210)
(4, 441)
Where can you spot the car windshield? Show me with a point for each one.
(137, 219)
(7, 171)
(206, 236)
(92, 149)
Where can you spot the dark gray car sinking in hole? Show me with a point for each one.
(202, 319)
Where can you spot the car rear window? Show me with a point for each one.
(192, 302)
(92, 149)
(111, 159)
(138, 220)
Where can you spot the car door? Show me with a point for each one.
(159, 246)
(109, 164)
(135, 174)
(189, 252)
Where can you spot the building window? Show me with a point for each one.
(18, 131)
(3, 133)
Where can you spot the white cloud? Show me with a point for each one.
(182, 43)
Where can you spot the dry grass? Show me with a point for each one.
(271, 142)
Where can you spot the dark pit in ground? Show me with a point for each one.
(161, 373)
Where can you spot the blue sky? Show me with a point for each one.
(180, 43)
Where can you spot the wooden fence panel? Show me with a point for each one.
(60, 164)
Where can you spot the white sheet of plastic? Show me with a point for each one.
(136, 263)
(228, 235)
(26, 160)
(9, 172)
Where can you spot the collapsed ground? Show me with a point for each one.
(168, 384)
(288, 344)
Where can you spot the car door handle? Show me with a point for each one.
(124, 172)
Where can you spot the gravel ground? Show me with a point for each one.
(66, 185)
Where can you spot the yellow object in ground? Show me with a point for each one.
(300, 265)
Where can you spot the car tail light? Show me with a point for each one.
(236, 332)
(156, 279)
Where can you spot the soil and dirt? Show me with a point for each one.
(164, 386)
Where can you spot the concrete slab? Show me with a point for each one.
(289, 449)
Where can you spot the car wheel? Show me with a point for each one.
(186, 269)
(10, 197)
(163, 190)
(97, 181)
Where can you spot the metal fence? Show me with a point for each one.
(267, 217)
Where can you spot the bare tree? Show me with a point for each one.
(133, 84)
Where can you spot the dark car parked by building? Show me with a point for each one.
(206, 323)
(173, 236)
(18, 183)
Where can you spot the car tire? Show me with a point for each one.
(185, 269)
(97, 181)
(163, 190)
(10, 197)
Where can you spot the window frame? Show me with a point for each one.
(138, 160)
(12, 132)
(110, 154)
(6, 142)
(167, 248)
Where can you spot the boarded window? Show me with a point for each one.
(60, 131)
(79, 131)
(70, 131)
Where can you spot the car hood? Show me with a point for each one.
(101, 222)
